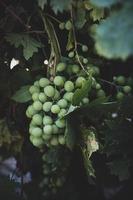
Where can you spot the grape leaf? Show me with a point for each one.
(59, 5)
(80, 17)
(112, 44)
(97, 14)
(22, 95)
(29, 44)
(81, 93)
(42, 3)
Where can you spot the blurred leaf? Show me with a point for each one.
(80, 17)
(83, 92)
(29, 44)
(111, 44)
(42, 3)
(59, 5)
(97, 14)
(22, 95)
(104, 3)
(71, 109)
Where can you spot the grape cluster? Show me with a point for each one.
(124, 85)
(51, 101)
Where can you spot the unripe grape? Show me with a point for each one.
(47, 106)
(54, 141)
(37, 105)
(35, 96)
(57, 95)
(55, 129)
(47, 137)
(31, 138)
(46, 170)
(75, 69)
(31, 110)
(98, 86)
(100, 93)
(62, 25)
(27, 114)
(68, 25)
(49, 91)
(47, 129)
(85, 100)
(68, 96)
(36, 83)
(32, 123)
(47, 120)
(85, 60)
(121, 80)
(36, 132)
(62, 113)
(60, 123)
(120, 96)
(38, 142)
(127, 89)
(58, 81)
(61, 139)
(55, 109)
(37, 119)
(62, 103)
(69, 86)
(130, 81)
(80, 81)
(43, 82)
(71, 54)
(84, 48)
(33, 89)
(61, 67)
(42, 97)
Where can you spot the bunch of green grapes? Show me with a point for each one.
(124, 85)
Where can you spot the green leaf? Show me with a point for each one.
(97, 14)
(80, 19)
(112, 44)
(70, 133)
(29, 44)
(59, 5)
(104, 3)
(22, 95)
(81, 93)
(41, 3)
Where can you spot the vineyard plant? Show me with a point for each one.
(66, 99)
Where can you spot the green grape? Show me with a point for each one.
(60, 123)
(54, 141)
(61, 139)
(55, 109)
(68, 96)
(61, 67)
(47, 106)
(80, 81)
(37, 119)
(37, 105)
(47, 120)
(42, 97)
(43, 82)
(27, 114)
(121, 80)
(130, 81)
(98, 86)
(75, 69)
(62, 103)
(120, 96)
(85, 100)
(127, 89)
(38, 142)
(31, 111)
(62, 25)
(71, 54)
(100, 93)
(68, 25)
(85, 60)
(49, 91)
(69, 86)
(44, 157)
(46, 170)
(62, 113)
(47, 137)
(33, 89)
(36, 132)
(35, 96)
(47, 129)
(59, 81)
(55, 129)
(57, 95)
(84, 48)
(36, 83)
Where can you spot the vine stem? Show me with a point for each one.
(14, 15)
